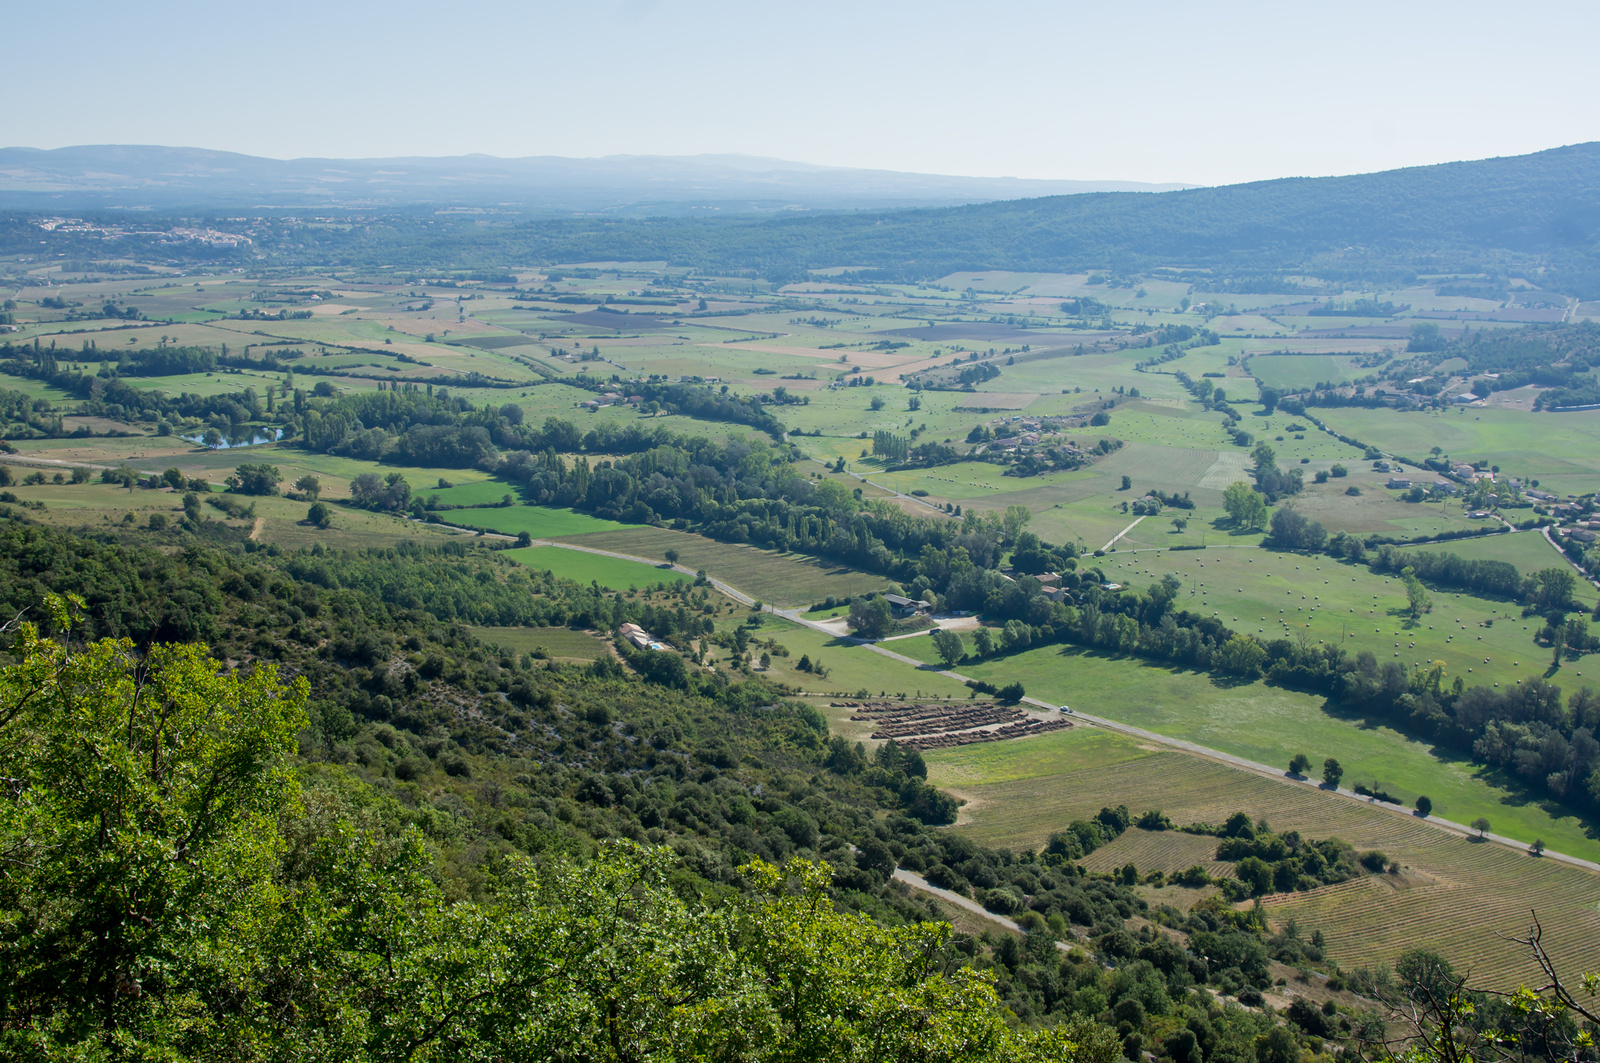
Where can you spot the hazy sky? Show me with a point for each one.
(1156, 91)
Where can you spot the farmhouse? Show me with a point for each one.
(1397, 481)
(903, 607)
(640, 637)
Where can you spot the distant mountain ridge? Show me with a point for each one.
(153, 177)
(1533, 212)
(1535, 215)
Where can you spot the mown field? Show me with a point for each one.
(784, 580)
(540, 522)
(1270, 725)
(555, 641)
(1561, 450)
(1277, 595)
(1164, 851)
(610, 572)
(1490, 889)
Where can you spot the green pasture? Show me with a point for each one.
(850, 667)
(1269, 725)
(540, 522)
(784, 580)
(1052, 753)
(36, 389)
(1529, 551)
(610, 572)
(481, 493)
(1561, 450)
(556, 641)
(349, 468)
(1304, 370)
(1271, 595)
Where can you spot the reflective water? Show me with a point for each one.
(251, 438)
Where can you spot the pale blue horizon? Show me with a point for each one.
(1158, 92)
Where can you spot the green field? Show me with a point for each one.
(1529, 551)
(1561, 450)
(610, 572)
(540, 522)
(556, 641)
(482, 493)
(1454, 894)
(784, 580)
(1302, 370)
(1270, 725)
(850, 668)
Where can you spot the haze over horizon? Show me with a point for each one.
(1168, 94)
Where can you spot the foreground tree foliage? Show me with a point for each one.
(172, 891)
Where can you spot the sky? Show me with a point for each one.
(1143, 90)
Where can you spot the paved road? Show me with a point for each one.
(893, 491)
(1265, 770)
(917, 882)
(1582, 575)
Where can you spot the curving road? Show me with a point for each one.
(1265, 770)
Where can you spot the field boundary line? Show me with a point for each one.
(1264, 770)
(1121, 533)
(1545, 530)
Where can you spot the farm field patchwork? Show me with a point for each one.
(850, 668)
(784, 580)
(1495, 884)
(1561, 450)
(1270, 595)
(1270, 725)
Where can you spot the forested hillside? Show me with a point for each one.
(281, 810)
(1540, 210)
